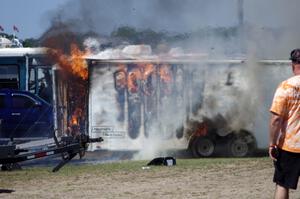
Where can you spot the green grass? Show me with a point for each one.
(124, 166)
(127, 179)
(78, 171)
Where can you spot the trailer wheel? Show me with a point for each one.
(242, 144)
(203, 147)
(238, 148)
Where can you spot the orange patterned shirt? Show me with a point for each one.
(286, 103)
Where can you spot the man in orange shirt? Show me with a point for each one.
(284, 148)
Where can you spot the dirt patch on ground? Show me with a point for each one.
(245, 178)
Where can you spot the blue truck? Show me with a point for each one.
(24, 115)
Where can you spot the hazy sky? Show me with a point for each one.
(33, 17)
(30, 16)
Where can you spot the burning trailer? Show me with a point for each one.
(155, 104)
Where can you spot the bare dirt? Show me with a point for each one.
(233, 178)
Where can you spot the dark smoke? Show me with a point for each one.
(270, 26)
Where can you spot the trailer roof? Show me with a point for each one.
(189, 61)
(35, 52)
(22, 52)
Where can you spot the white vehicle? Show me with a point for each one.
(6, 43)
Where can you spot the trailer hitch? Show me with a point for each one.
(68, 147)
(82, 140)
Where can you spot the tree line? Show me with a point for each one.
(133, 35)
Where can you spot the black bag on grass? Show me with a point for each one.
(166, 161)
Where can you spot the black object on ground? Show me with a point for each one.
(166, 161)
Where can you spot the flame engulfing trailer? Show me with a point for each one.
(204, 105)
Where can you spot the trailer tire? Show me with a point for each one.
(203, 147)
(242, 144)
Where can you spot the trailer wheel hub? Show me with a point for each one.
(204, 147)
(239, 148)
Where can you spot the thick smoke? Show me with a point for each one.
(167, 15)
(265, 30)
(271, 25)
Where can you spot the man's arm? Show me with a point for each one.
(274, 126)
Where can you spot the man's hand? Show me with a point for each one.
(275, 125)
(273, 153)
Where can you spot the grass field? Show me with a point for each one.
(190, 178)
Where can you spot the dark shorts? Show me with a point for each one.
(287, 169)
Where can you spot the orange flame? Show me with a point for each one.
(133, 77)
(142, 72)
(76, 116)
(148, 69)
(74, 120)
(165, 73)
(120, 76)
(78, 63)
(75, 62)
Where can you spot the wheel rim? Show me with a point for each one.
(239, 148)
(205, 147)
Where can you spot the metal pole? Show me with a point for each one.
(26, 71)
(54, 99)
